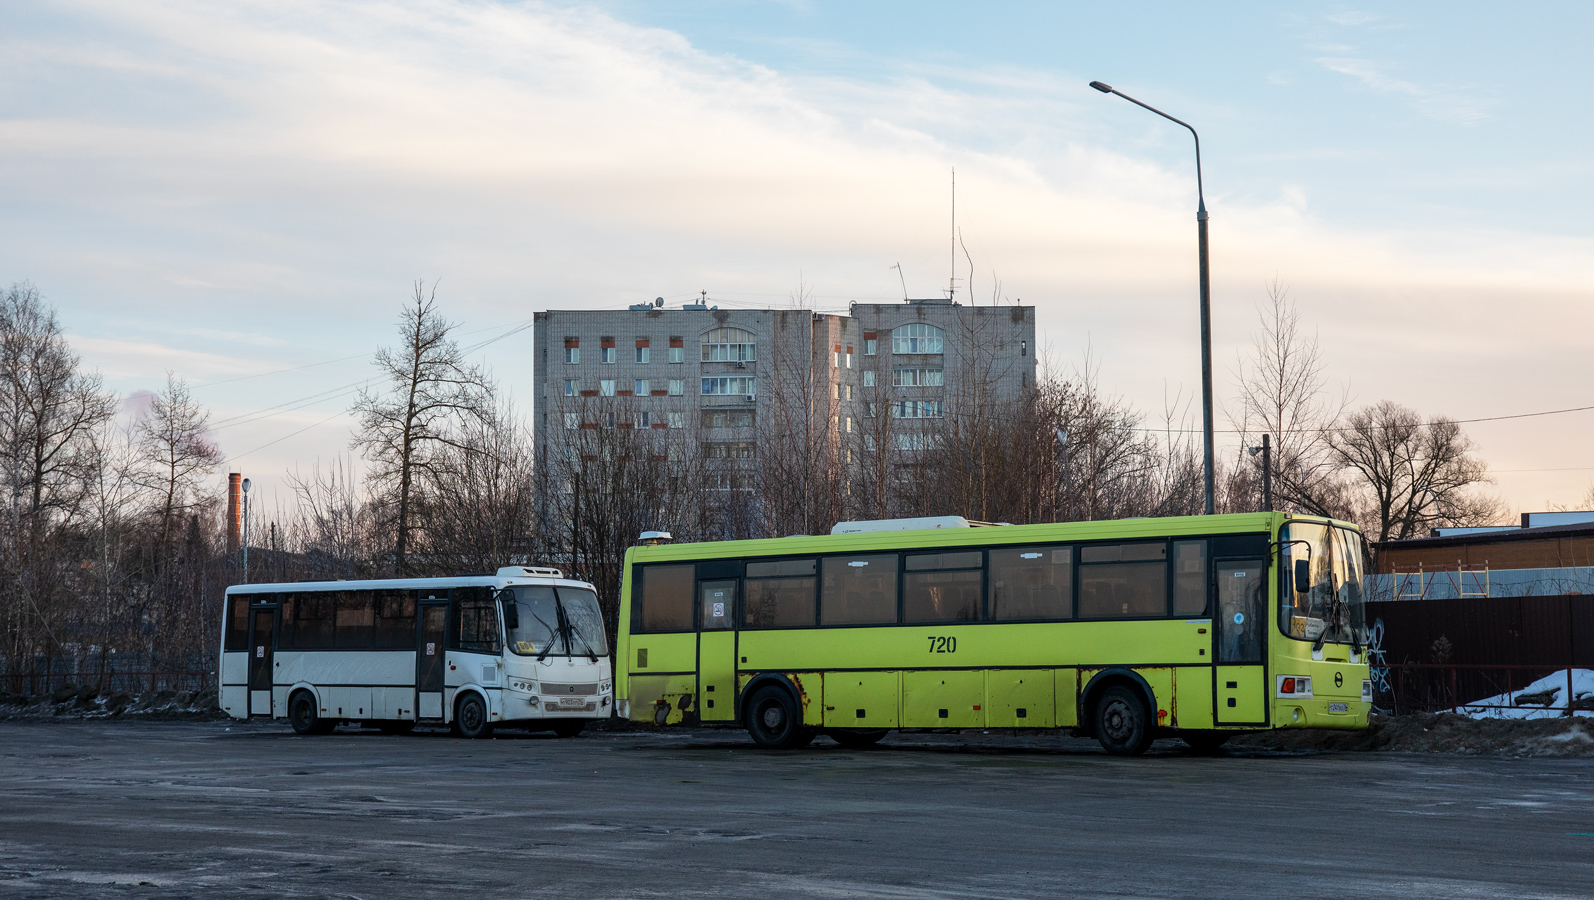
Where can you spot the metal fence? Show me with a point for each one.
(132, 681)
(1401, 688)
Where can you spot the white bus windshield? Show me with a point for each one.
(562, 622)
(1332, 608)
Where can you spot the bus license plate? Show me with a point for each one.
(1338, 707)
(580, 702)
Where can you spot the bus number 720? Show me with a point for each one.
(943, 645)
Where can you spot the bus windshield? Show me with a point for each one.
(562, 622)
(1332, 607)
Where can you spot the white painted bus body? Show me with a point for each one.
(376, 685)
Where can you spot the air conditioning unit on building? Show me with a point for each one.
(749, 398)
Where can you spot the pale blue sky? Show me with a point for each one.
(227, 190)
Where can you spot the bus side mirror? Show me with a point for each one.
(511, 615)
(1303, 576)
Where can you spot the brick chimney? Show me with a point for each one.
(235, 511)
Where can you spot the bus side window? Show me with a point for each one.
(306, 621)
(859, 590)
(475, 620)
(781, 594)
(1123, 581)
(394, 619)
(238, 623)
(354, 620)
(1189, 578)
(1032, 583)
(666, 598)
(942, 587)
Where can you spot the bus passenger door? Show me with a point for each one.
(429, 661)
(1239, 638)
(716, 650)
(260, 660)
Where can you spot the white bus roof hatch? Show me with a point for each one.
(529, 572)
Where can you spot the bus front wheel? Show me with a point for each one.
(303, 717)
(772, 718)
(1123, 724)
(470, 717)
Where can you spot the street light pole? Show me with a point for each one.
(246, 530)
(1206, 292)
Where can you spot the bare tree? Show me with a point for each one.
(1416, 474)
(429, 390)
(176, 456)
(479, 506)
(1282, 394)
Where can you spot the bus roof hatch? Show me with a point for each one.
(922, 523)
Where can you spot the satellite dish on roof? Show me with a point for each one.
(658, 301)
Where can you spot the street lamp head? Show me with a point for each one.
(1255, 450)
(246, 485)
(1104, 88)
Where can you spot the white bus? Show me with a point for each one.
(524, 647)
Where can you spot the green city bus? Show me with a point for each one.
(1198, 627)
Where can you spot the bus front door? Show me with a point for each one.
(716, 650)
(260, 660)
(429, 661)
(1239, 636)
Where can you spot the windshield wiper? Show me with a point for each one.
(554, 635)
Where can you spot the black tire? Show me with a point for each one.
(470, 717)
(856, 738)
(304, 718)
(772, 717)
(569, 728)
(395, 726)
(1123, 724)
(1205, 742)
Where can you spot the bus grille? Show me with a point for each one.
(569, 690)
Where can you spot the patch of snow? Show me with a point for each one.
(1509, 705)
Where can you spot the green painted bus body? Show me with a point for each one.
(983, 674)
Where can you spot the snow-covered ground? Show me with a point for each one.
(1549, 702)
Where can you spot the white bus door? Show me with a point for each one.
(429, 661)
(260, 660)
(1238, 634)
(716, 650)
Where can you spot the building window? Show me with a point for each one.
(917, 377)
(608, 420)
(677, 420)
(606, 387)
(917, 441)
(644, 420)
(677, 387)
(917, 338)
(846, 425)
(643, 387)
(608, 355)
(727, 418)
(642, 355)
(677, 355)
(728, 450)
(730, 384)
(729, 345)
(870, 345)
(570, 387)
(868, 410)
(918, 409)
(572, 355)
(849, 357)
(572, 420)
(570, 453)
(868, 378)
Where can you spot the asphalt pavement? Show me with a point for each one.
(125, 809)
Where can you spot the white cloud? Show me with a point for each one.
(1445, 104)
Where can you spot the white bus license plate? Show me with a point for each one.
(579, 702)
(1338, 707)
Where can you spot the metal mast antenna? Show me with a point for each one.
(952, 280)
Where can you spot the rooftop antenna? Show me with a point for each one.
(952, 280)
(904, 281)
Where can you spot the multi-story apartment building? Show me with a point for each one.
(723, 384)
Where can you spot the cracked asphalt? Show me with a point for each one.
(185, 809)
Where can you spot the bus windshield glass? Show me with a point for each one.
(562, 622)
(1332, 606)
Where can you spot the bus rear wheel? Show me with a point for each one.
(856, 738)
(303, 717)
(1123, 724)
(772, 718)
(470, 717)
